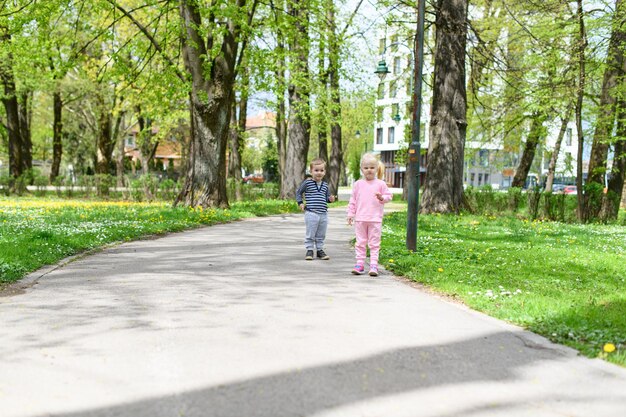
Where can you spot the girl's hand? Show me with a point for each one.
(350, 220)
(379, 196)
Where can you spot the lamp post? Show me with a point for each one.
(413, 166)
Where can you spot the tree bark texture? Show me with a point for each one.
(57, 135)
(580, 92)
(615, 187)
(210, 107)
(25, 114)
(105, 143)
(336, 154)
(605, 121)
(11, 107)
(536, 134)
(443, 185)
(299, 126)
(557, 149)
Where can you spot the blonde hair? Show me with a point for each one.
(370, 157)
(317, 161)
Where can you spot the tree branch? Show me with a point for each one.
(154, 42)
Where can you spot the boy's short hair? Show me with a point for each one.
(317, 161)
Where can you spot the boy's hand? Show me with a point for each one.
(301, 206)
(350, 220)
(331, 199)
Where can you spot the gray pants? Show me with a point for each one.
(316, 224)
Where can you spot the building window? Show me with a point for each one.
(379, 114)
(379, 136)
(381, 91)
(394, 43)
(483, 157)
(397, 65)
(391, 132)
(486, 179)
(568, 137)
(393, 89)
(130, 141)
(381, 46)
(472, 176)
(395, 109)
(480, 179)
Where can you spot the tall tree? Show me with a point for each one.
(299, 126)
(443, 188)
(605, 121)
(213, 40)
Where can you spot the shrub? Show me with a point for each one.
(514, 195)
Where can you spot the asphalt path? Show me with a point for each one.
(230, 320)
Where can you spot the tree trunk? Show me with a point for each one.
(608, 98)
(299, 125)
(57, 132)
(105, 144)
(555, 153)
(16, 165)
(25, 114)
(119, 157)
(322, 103)
(613, 196)
(281, 131)
(210, 107)
(336, 154)
(582, 45)
(237, 129)
(443, 185)
(536, 134)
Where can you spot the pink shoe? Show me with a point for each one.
(358, 269)
(373, 271)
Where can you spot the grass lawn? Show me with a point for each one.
(38, 232)
(564, 281)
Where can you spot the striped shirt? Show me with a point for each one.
(316, 195)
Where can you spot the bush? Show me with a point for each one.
(554, 206)
(167, 189)
(514, 195)
(533, 196)
(87, 183)
(103, 182)
(40, 182)
(5, 183)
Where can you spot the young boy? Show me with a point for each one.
(317, 196)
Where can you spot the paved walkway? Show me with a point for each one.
(231, 321)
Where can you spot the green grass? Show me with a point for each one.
(38, 232)
(564, 281)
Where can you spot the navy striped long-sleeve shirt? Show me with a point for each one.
(317, 196)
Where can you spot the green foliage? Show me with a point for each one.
(563, 281)
(484, 200)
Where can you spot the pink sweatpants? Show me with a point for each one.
(367, 234)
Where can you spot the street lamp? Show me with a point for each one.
(413, 166)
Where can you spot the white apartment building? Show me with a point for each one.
(486, 162)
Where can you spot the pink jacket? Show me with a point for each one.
(364, 206)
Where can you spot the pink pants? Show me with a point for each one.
(367, 234)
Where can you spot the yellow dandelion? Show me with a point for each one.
(440, 269)
(390, 261)
(609, 347)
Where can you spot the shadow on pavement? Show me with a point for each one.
(313, 390)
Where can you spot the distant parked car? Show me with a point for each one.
(558, 188)
(570, 189)
(253, 179)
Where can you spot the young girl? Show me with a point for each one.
(365, 210)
